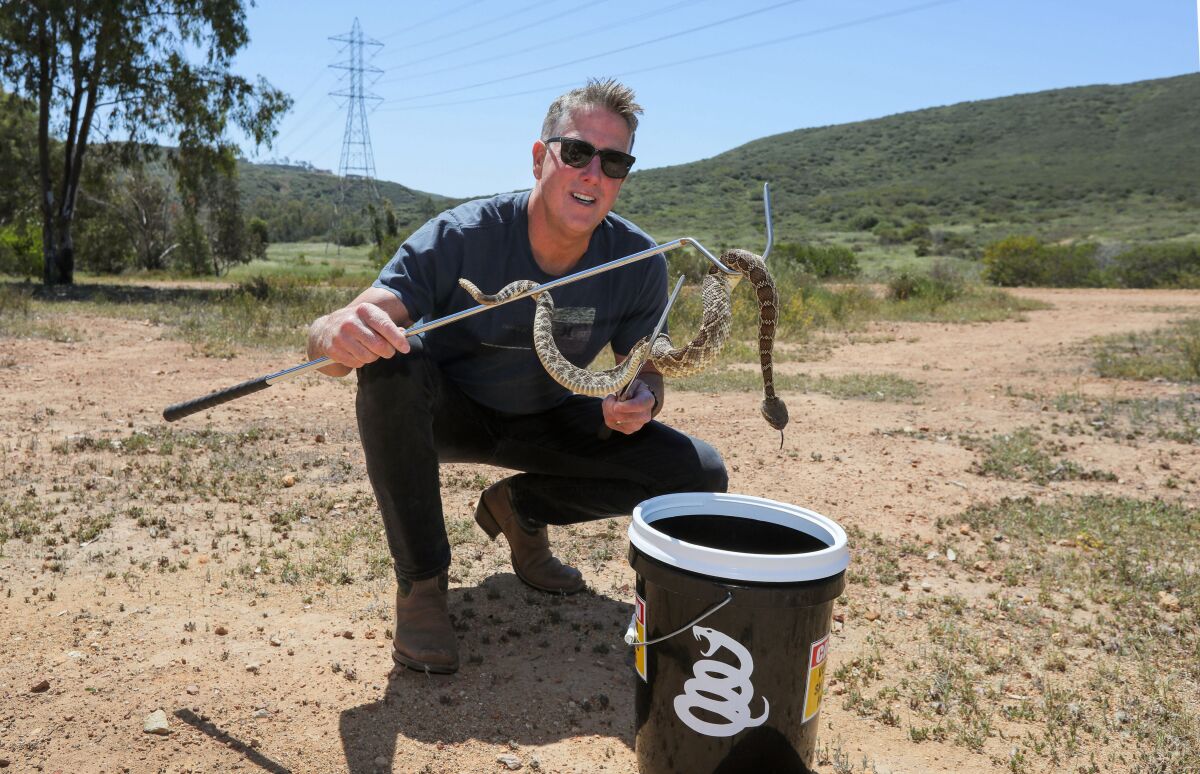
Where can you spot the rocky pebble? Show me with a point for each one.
(156, 723)
(40, 687)
(1168, 602)
(510, 762)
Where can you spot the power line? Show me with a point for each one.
(538, 90)
(588, 32)
(329, 113)
(461, 30)
(432, 19)
(311, 84)
(661, 38)
(740, 50)
(302, 118)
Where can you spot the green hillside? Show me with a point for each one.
(1109, 161)
(298, 203)
(1113, 162)
(1100, 163)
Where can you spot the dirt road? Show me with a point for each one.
(230, 569)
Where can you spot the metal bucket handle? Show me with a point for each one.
(631, 633)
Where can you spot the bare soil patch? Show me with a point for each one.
(230, 569)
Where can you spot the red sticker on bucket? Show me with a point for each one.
(814, 687)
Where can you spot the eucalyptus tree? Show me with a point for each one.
(131, 71)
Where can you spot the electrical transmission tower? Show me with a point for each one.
(356, 170)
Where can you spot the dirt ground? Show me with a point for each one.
(230, 570)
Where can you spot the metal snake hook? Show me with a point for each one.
(187, 408)
(767, 216)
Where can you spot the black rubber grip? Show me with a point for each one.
(189, 407)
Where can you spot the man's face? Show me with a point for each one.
(576, 200)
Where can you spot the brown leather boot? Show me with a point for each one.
(424, 638)
(530, 546)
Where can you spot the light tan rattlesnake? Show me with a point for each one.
(693, 358)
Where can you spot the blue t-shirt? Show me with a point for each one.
(490, 355)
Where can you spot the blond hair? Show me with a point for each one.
(607, 93)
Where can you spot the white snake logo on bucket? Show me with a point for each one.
(730, 683)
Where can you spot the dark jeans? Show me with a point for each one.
(411, 418)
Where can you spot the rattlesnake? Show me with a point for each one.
(673, 362)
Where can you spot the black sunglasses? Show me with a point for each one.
(578, 153)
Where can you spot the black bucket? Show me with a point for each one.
(731, 630)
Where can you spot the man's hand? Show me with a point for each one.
(629, 415)
(359, 333)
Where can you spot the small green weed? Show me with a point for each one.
(91, 527)
(1171, 353)
(1174, 418)
(1019, 456)
(23, 519)
(1136, 560)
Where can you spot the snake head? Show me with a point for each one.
(701, 632)
(774, 410)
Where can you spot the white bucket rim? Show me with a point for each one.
(735, 565)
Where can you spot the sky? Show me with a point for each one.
(464, 84)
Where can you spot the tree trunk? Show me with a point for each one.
(59, 254)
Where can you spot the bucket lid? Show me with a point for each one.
(735, 565)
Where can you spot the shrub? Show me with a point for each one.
(914, 232)
(887, 234)
(908, 287)
(864, 221)
(194, 255)
(1073, 266)
(102, 244)
(822, 261)
(383, 252)
(1027, 261)
(258, 236)
(949, 242)
(1171, 264)
(20, 250)
(1014, 261)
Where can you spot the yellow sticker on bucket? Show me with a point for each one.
(640, 651)
(814, 687)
